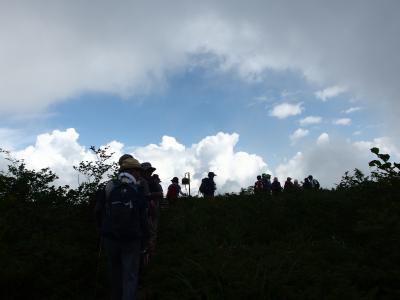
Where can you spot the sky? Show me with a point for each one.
(289, 88)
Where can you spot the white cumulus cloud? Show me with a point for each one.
(60, 150)
(298, 134)
(328, 160)
(352, 109)
(330, 92)
(310, 120)
(284, 110)
(323, 139)
(342, 121)
(213, 153)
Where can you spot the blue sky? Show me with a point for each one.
(199, 102)
(192, 73)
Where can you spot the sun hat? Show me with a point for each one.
(123, 157)
(148, 167)
(130, 163)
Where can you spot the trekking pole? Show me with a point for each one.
(97, 269)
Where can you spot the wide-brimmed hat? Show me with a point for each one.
(175, 179)
(123, 157)
(156, 177)
(211, 174)
(146, 166)
(130, 164)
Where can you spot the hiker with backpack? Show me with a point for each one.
(122, 219)
(266, 180)
(208, 186)
(258, 186)
(307, 185)
(288, 186)
(314, 182)
(296, 186)
(174, 190)
(276, 187)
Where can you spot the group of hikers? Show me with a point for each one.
(127, 212)
(265, 186)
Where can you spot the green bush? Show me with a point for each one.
(327, 244)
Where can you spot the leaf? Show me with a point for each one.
(375, 150)
(387, 165)
(375, 163)
(384, 157)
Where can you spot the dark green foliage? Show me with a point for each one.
(317, 245)
(95, 172)
(338, 244)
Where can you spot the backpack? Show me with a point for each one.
(203, 187)
(123, 204)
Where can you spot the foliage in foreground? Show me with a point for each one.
(316, 245)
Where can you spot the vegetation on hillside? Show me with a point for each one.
(326, 244)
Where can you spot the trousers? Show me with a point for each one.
(123, 262)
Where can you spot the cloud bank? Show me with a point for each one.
(54, 50)
(60, 150)
(327, 158)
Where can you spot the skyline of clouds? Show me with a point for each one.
(60, 150)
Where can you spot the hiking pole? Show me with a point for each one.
(97, 269)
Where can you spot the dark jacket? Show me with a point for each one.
(276, 187)
(139, 228)
(208, 187)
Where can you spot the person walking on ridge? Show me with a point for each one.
(208, 186)
(258, 186)
(122, 219)
(174, 190)
(276, 187)
(266, 179)
(289, 186)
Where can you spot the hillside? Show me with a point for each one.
(337, 244)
